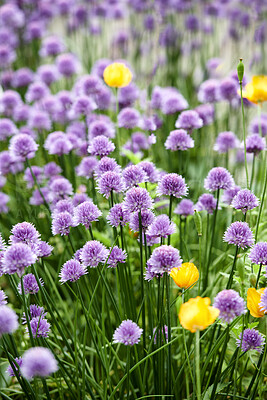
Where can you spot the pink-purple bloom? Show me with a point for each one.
(3, 298)
(226, 141)
(101, 146)
(147, 217)
(71, 271)
(251, 339)
(61, 223)
(258, 253)
(40, 327)
(229, 194)
(255, 144)
(218, 178)
(127, 333)
(206, 202)
(17, 257)
(128, 118)
(30, 284)
(161, 227)
(245, 200)
(85, 213)
(239, 234)
(109, 182)
(116, 256)
(22, 146)
(38, 361)
(163, 259)
(93, 253)
(118, 216)
(263, 301)
(185, 208)
(189, 120)
(133, 175)
(179, 140)
(230, 304)
(172, 185)
(8, 320)
(10, 369)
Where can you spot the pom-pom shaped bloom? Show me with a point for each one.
(71, 271)
(209, 91)
(86, 213)
(118, 216)
(101, 128)
(230, 304)
(128, 118)
(37, 172)
(226, 141)
(179, 140)
(107, 164)
(60, 188)
(93, 252)
(87, 167)
(228, 89)
(67, 64)
(34, 312)
(8, 320)
(101, 146)
(218, 178)
(24, 232)
(30, 284)
(263, 302)
(36, 91)
(172, 185)
(206, 202)
(253, 302)
(3, 298)
(137, 199)
(197, 314)
(147, 217)
(62, 206)
(38, 361)
(206, 113)
(255, 144)
(185, 276)
(7, 128)
(251, 339)
(239, 234)
(117, 75)
(189, 120)
(133, 175)
(150, 171)
(229, 194)
(40, 327)
(116, 256)
(245, 200)
(185, 208)
(22, 146)
(110, 181)
(10, 369)
(164, 258)
(259, 125)
(17, 257)
(4, 199)
(258, 253)
(61, 223)
(127, 333)
(51, 46)
(43, 249)
(161, 227)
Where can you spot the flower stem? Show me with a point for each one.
(258, 277)
(197, 355)
(244, 133)
(142, 281)
(230, 280)
(169, 334)
(170, 217)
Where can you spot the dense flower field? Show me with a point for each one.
(133, 176)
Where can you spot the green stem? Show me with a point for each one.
(197, 354)
(26, 312)
(142, 280)
(169, 333)
(252, 172)
(37, 184)
(170, 217)
(244, 133)
(262, 198)
(230, 280)
(258, 276)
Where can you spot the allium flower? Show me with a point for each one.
(36, 91)
(60, 188)
(127, 333)
(206, 202)
(93, 252)
(34, 312)
(209, 91)
(16, 258)
(128, 118)
(179, 140)
(133, 175)
(116, 256)
(197, 314)
(239, 234)
(185, 208)
(258, 253)
(128, 95)
(189, 120)
(67, 64)
(8, 320)
(161, 227)
(79, 198)
(251, 340)
(7, 128)
(106, 164)
(226, 141)
(118, 216)
(30, 284)
(229, 194)
(150, 171)
(172, 101)
(10, 369)
(185, 276)
(218, 178)
(228, 89)
(86, 213)
(255, 144)
(101, 146)
(230, 304)
(206, 113)
(137, 199)
(147, 217)
(263, 302)
(4, 199)
(43, 249)
(51, 46)
(3, 298)
(245, 200)
(38, 361)
(48, 73)
(62, 206)
(87, 167)
(164, 258)
(172, 185)
(37, 172)
(51, 169)
(24, 232)
(61, 223)
(258, 125)
(39, 327)
(22, 146)
(253, 302)
(101, 128)
(110, 181)
(36, 199)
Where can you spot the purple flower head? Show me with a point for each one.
(36, 91)
(83, 105)
(258, 253)
(34, 312)
(61, 223)
(239, 234)
(118, 216)
(22, 146)
(259, 125)
(9, 101)
(164, 258)
(67, 64)
(150, 273)
(101, 146)
(51, 46)
(185, 208)
(137, 199)
(161, 227)
(107, 164)
(79, 198)
(110, 181)
(251, 340)
(127, 333)
(128, 118)
(147, 217)
(229, 194)
(172, 101)
(71, 271)
(4, 199)
(226, 141)
(39, 327)
(209, 91)
(101, 128)
(263, 301)
(230, 304)
(37, 199)
(39, 119)
(38, 361)
(24, 232)
(255, 144)
(206, 113)
(127, 95)
(10, 369)
(8, 320)
(87, 167)
(206, 202)
(245, 200)
(218, 178)
(86, 213)
(133, 175)
(179, 140)
(7, 128)
(43, 249)
(16, 258)
(48, 73)
(189, 120)
(228, 89)
(3, 298)
(90, 84)
(22, 77)
(150, 171)
(172, 185)
(37, 172)
(60, 188)
(116, 256)
(93, 252)
(192, 23)
(11, 16)
(169, 36)
(149, 22)
(30, 284)
(62, 206)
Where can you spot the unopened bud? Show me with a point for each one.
(240, 70)
(198, 222)
(252, 280)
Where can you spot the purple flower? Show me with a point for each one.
(258, 253)
(189, 120)
(116, 256)
(147, 217)
(185, 208)
(37, 172)
(239, 234)
(226, 141)
(83, 105)
(48, 73)
(150, 171)
(10, 369)
(172, 101)
(9, 101)
(87, 167)
(245, 200)
(60, 188)
(37, 199)
(118, 216)
(218, 178)
(7, 128)
(206, 202)
(229, 194)
(101, 128)
(263, 302)
(36, 91)
(39, 327)
(61, 223)
(137, 199)
(85, 213)
(38, 361)
(51, 169)
(161, 227)
(258, 125)
(34, 312)
(172, 185)
(30, 284)
(150, 274)
(110, 181)
(51, 46)
(67, 64)
(228, 89)
(128, 118)
(255, 144)
(133, 175)
(3, 298)
(39, 120)
(251, 340)
(163, 259)
(101, 146)
(22, 146)
(179, 140)
(93, 252)
(230, 304)
(16, 258)
(4, 199)
(79, 198)
(127, 95)
(71, 271)
(127, 333)
(43, 249)
(8, 320)
(209, 91)
(62, 206)
(206, 113)
(106, 164)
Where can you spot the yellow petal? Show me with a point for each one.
(117, 75)
(253, 299)
(185, 276)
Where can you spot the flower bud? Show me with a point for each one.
(198, 222)
(252, 280)
(240, 70)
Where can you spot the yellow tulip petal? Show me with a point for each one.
(253, 299)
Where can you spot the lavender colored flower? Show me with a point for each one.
(150, 171)
(61, 223)
(263, 301)
(79, 198)
(206, 113)
(189, 120)
(206, 202)
(24, 232)
(172, 185)
(245, 200)
(218, 178)
(3, 298)
(60, 188)
(229, 194)
(172, 101)
(209, 91)
(239, 234)
(51, 46)
(118, 216)
(147, 217)
(133, 175)
(259, 125)
(128, 118)
(116, 256)
(8, 320)
(9, 101)
(107, 164)
(62, 206)
(230, 304)
(17, 257)
(110, 182)
(127, 95)
(161, 227)
(48, 73)
(82, 105)
(179, 140)
(163, 259)
(10, 369)
(67, 64)
(38, 361)
(4, 199)
(101, 128)
(139, 141)
(150, 274)
(7, 128)
(40, 327)
(34, 312)
(22, 146)
(22, 77)
(30, 284)
(93, 253)
(258, 253)
(86, 213)
(101, 146)
(127, 333)
(228, 89)
(255, 144)
(226, 141)
(137, 199)
(43, 249)
(37, 172)
(36, 199)
(39, 120)
(51, 169)
(251, 340)
(36, 91)
(71, 271)
(185, 208)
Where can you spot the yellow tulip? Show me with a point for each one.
(117, 75)
(256, 91)
(197, 314)
(185, 276)
(253, 299)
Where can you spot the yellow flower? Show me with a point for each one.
(197, 314)
(117, 75)
(253, 299)
(185, 276)
(256, 91)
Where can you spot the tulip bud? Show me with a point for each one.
(252, 279)
(240, 70)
